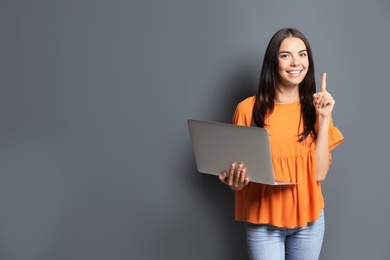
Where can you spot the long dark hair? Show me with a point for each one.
(265, 98)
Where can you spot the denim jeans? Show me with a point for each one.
(267, 242)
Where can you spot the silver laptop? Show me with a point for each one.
(217, 145)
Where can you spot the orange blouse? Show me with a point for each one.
(287, 205)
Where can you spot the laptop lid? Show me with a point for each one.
(217, 145)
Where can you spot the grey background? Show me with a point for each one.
(95, 156)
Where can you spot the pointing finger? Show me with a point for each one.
(323, 83)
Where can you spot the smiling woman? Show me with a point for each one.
(293, 64)
(286, 222)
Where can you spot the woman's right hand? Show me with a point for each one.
(237, 177)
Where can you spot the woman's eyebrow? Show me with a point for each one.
(290, 52)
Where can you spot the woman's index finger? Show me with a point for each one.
(323, 82)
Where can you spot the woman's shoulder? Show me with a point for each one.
(243, 112)
(247, 103)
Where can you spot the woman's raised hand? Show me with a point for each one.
(237, 178)
(323, 101)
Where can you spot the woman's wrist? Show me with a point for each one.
(236, 188)
(323, 121)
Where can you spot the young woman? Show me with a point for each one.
(287, 222)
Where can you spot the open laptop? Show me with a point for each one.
(217, 145)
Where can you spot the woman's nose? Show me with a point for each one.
(294, 62)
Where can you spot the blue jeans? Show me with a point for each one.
(267, 242)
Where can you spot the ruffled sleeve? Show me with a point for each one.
(243, 113)
(335, 137)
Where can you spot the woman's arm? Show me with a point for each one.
(322, 149)
(324, 104)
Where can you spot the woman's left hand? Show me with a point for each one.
(323, 101)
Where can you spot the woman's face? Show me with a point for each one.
(293, 62)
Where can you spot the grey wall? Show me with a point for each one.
(95, 156)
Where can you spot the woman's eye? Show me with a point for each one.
(304, 54)
(284, 56)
